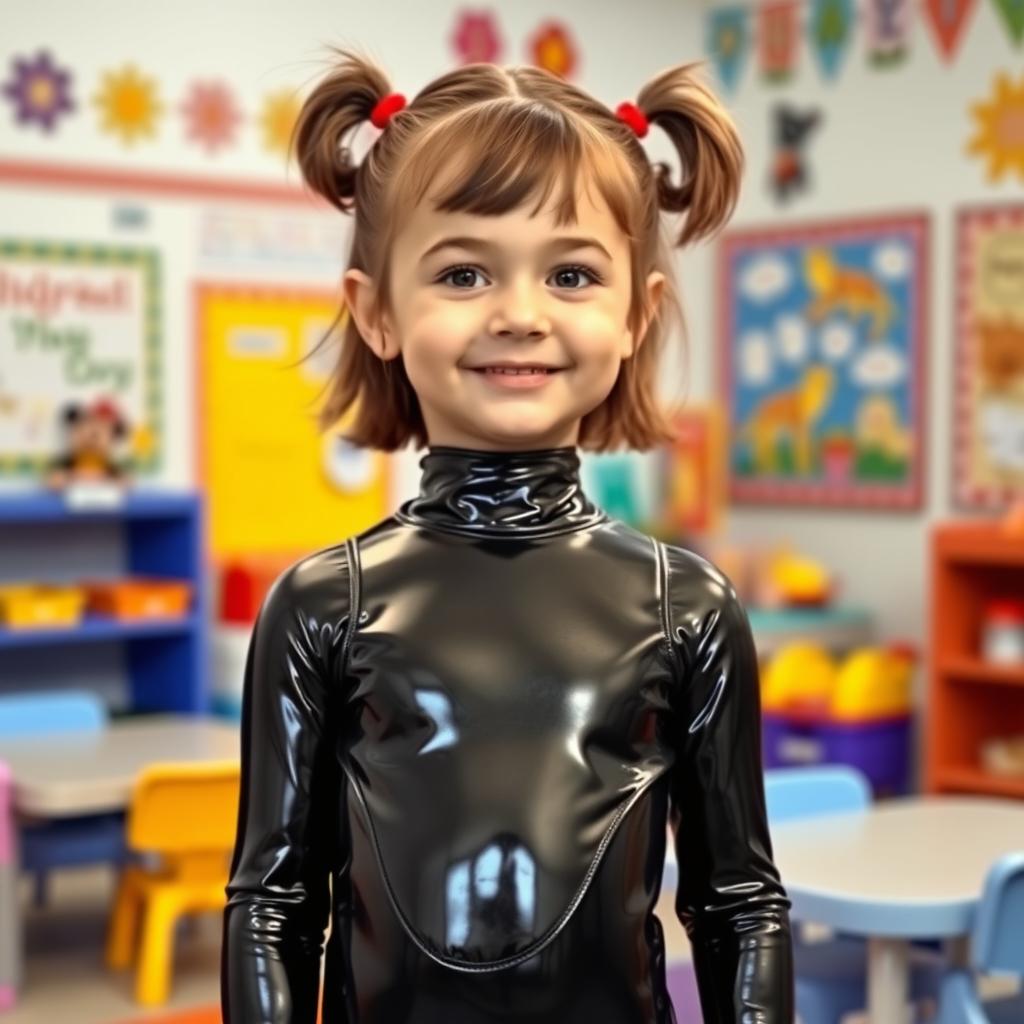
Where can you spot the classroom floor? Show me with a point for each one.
(66, 980)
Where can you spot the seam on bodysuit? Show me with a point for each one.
(664, 580)
(354, 598)
(473, 967)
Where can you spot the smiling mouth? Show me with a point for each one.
(532, 371)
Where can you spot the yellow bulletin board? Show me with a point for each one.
(274, 482)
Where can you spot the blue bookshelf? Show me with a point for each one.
(148, 533)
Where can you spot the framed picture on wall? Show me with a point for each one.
(822, 330)
(79, 322)
(988, 462)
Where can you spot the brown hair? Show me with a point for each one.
(513, 133)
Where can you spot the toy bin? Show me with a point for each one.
(879, 747)
(139, 598)
(40, 605)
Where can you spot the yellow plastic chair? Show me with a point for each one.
(185, 815)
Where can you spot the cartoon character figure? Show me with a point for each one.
(93, 435)
(468, 729)
(838, 288)
(791, 131)
(789, 415)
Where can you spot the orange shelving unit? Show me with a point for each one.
(970, 700)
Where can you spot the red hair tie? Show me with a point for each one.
(386, 108)
(633, 116)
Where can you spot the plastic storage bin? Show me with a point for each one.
(879, 747)
(40, 605)
(139, 598)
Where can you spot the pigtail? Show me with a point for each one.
(709, 147)
(340, 103)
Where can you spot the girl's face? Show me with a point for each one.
(471, 292)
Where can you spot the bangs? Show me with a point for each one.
(496, 156)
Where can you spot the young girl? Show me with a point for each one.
(466, 728)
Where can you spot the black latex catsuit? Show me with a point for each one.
(475, 720)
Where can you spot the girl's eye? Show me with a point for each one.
(573, 269)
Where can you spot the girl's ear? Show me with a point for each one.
(655, 288)
(360, 294)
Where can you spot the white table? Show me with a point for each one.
(908, 868)
(67, 774)
(64, 775)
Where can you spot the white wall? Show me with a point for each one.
(891, 141)
(259, 48)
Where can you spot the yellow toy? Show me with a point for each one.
(874, 683)
(187, 814)
(869, 683)
(800, 675)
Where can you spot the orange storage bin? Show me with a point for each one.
(139, 598)
(40, 605)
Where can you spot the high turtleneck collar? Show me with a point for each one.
(501, 493)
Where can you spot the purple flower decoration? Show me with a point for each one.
(39, 90)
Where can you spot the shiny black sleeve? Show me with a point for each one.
(730, 898)
(278, 891)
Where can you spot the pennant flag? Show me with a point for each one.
(829, 32)
(948, 18)
(728, 42)
(1013, 14)
(887, 24)
(777, 38)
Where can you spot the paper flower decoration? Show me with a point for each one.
(210, 114)
(999, 135)
(551, 48)
(476, 39)
(128, 104)
(280, 112)
(39, 90)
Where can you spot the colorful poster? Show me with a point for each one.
(988, 465)
(822, 330)
(275, 482)
(77, 323)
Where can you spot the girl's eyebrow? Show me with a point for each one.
(470, 242)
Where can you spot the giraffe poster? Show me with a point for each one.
(821, 335)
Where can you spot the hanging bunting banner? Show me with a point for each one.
(829, 32)
(887, 31)
(777, 39)
(948, 18)
(1013, 15)
(728, 43)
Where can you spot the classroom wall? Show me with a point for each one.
(260, 49)
(892, 141)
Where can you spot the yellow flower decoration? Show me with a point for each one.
(1000, 136)
(280, 112)
(129, 105)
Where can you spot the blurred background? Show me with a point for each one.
(851, 413)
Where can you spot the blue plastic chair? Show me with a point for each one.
(831, 976)
(996, 947)
(65, 842)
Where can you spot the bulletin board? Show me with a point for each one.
(76, 321)
(277, 484)
(988, 464)
(822, 331)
